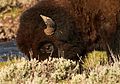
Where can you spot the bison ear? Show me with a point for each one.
(48, 21)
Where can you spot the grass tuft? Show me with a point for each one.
(95, 58)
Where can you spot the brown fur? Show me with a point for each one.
(30, 33)
(93, 20)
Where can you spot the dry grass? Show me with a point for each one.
(34, 72)
(59, 70)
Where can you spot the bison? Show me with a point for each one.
(75, 27)
(31, 36)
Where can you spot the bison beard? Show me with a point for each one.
(81, 26)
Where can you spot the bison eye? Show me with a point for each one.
(47, 48)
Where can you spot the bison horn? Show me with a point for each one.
(50, 25)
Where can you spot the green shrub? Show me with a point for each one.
(94, 59)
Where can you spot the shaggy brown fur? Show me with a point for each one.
(115, 41)
(30, 33)
(93, 20)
